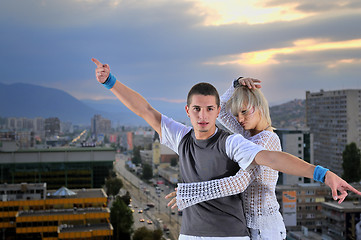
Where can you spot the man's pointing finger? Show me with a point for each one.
(99, 64)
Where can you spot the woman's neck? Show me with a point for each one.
(262, 126)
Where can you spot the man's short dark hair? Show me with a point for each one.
(205, 89)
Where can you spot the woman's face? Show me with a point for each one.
(249, 118)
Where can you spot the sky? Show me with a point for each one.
(161, 48)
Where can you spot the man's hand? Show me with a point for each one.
(338, 184)
(172, 202)
(251, 83)
(102, 71)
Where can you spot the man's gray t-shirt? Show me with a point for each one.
(203, 160)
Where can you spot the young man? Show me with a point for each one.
(207, 153)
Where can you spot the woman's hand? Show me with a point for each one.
(251, 83)
(172, 202)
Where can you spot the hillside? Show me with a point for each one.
(291, 114)
(30, 101)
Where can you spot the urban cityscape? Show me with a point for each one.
(65, 181)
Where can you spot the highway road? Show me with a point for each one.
(143, 194)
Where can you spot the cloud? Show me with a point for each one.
(307, 6)
(161, 48)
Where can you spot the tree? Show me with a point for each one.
(147, 171)
(145, 234)
(173, 162)
(126, 198)
(351, 163)
(112, 173)
(113, 185)
(121, 217)
(136, 155)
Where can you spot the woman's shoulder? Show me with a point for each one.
(268, 139)
(265, 134)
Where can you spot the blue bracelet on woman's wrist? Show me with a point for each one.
(319, 173)
(109, 83)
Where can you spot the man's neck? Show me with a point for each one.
(205, 135)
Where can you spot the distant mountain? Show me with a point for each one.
(30, 101)
(291, 114)
(27, 100)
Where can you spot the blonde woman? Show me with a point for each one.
(245, 110)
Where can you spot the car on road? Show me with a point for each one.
(140, 211)
(149, 222)
(150, 205)
(141, 220)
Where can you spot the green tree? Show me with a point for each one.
(145, 234)
(112, 173)
(136, 155)
(121, 217)
(113, 185)
(126, 198)
(147, 171)
(351, 163)
(173, 162)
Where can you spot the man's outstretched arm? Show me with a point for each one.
(131, 99)
(290, 164)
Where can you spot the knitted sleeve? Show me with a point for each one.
(189, 194)
(226, 118)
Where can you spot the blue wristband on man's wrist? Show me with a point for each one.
(109, 83)
(319, 173)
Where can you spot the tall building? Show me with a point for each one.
(11, 123)
(52, 127)
(39, 126)
(99, 125)
(300, 144)
(334, 118)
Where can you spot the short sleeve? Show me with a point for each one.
(241, 150)
(172, 133)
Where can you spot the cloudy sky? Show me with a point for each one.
(163, 47)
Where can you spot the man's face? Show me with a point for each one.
(203, 112)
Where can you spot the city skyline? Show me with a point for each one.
(162, 48)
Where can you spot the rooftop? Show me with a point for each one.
(79, 193)
(347, 206)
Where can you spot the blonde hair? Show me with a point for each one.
(243, 96)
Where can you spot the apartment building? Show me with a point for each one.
(300, 144)
(301, 205)
(334, 118)
(342, 221)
